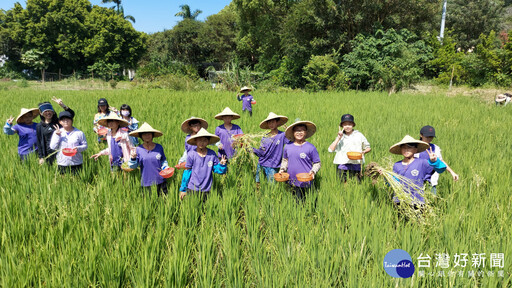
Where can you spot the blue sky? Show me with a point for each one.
(153, 15)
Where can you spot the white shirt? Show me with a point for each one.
(355, 142)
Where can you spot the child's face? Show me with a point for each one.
(202, 142)
(272, 124)
(227, 119)
(347, 126)
(427, 139)
(66, 123)
(125, 112)
(195, 127)
(408, 150)
(48, 114)
(26, 119)
(299, 133)
(147, 137)
(103, 108)
(113, 124)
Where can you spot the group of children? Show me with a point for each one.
(280, 151)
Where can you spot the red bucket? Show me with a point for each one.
(253, 102)
(69, 151)
(167, 173)
(304, 177)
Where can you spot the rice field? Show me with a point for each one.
(96, 230)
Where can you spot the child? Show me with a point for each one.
(427, 134)
(246, 99)
(503, 99)
(201, 162)
(103, 111)
(68, 137)
(119, 145)
(348, 140)
(151, 159)
(226, 132)
(26, 130)
(126, 113)
(191, 126)
(270, 152)
(44, 130)
(300, 156)
(418, 170)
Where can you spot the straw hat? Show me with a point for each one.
(34, 111)
(311, 129)
(113, 116)
(227, 112)
(146, 128)
(422, 146)
(501, 97)
(212, 138)
(280, 120)
(185, 127)
(245, 88)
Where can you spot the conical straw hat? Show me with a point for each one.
(185, 127)
(227, 112)
(245, 88)
(34, 111)
(280, 120)
(212, 138)
(146, 128)
(113, 116)
(311, 129)
(396, 149)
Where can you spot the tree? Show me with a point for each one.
(120, 9)
(186, 14)
(36, 59)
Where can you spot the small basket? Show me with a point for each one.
(102, 131)
(304, 177)
(281, 177)
(181, 165)
(126, 168)
(253, 102)
(167, 173)
(355, 155)
(70, 152)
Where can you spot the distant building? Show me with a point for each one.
(3, 59)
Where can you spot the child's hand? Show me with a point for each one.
(57, 129)
(57, 100)
(133, 153)
(455, 176)
(432, 155)
(96, 156)
(182, 195)
(312, 174)
(41, 161)
(223, 160)
(340, 132)
(9, 120)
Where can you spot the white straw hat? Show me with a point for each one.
(396, 149)
(185, 127)
(34, 111)
(113, 116)
(310, 126)
(212, 138)
(245, 88)
(146, 128)
(227, 112)
(271, 116)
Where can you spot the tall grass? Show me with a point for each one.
(97, 228)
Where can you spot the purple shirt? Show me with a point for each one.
(189, 147)
(424, 154)
(418, 172)
(202, 170)
(300, 160)
(150, 163)
(28, 138)
(116, 152)
(246, 102)
(226, 138)
(271, 150)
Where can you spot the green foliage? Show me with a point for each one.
(389, 60)
(104, 70)
(323, 73)
(185, 12)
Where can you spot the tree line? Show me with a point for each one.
(312, 44)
